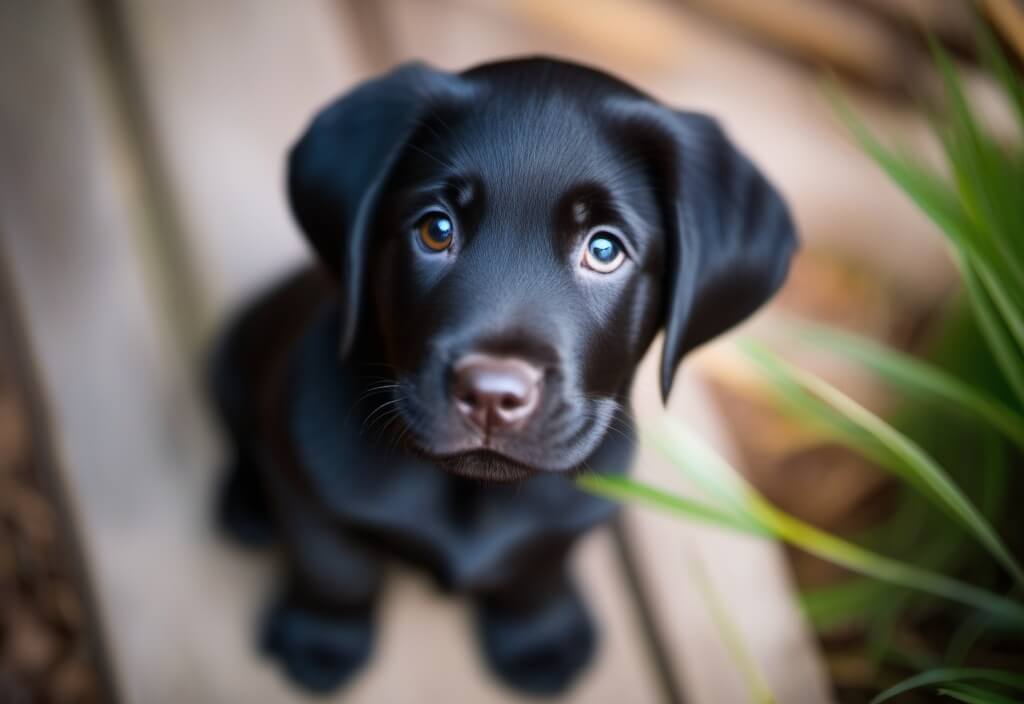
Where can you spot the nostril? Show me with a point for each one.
(510, 403)
(466, 397)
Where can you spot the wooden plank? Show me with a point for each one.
(226, 88)
(54, 645)
(1009, 18)
(121, 407)
(232, 247)
(427, 650)
(749, 576)
(949, 20)
(833, 33)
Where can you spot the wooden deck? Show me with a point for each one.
(141, 148)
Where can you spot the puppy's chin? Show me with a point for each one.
(484, 465)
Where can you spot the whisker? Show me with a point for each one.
(386, 420)
(414, 419)
(372, 391)
(376, 412)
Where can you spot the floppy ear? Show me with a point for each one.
(338, 167)
(729, 234)
(731, 240)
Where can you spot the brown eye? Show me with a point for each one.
(435, 231)
(603, 253)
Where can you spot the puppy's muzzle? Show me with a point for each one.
(496, 394)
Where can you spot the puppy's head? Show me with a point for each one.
(513, 237)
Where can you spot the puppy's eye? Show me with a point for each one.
(435, 231)
(603, 253)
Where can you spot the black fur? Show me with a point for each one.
(335, 386)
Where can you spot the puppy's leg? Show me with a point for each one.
(247, 356)
(536, 631)
(242, 510)
(320, 644)
(321, 627)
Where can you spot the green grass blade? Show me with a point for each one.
(853, 557)
(949, 676)
(906, 458)
(964, 639)
(1010, 362)
(970, 694)
(980, 169)
(999, 66)
(776, 523)
(963, 118)
(1011, 312)
(821, 417)
(852, 600)
(623, 489)
(704, 467)
(690, 453)
(757, 686)
(931, 194)
(984, 177)
(984, 215)
(912, 374)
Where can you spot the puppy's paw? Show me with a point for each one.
(242, 511)
(319, 651)
(540, 651)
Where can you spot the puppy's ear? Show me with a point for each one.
(729, 233)
(339, 165)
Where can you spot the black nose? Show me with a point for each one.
(496, 393)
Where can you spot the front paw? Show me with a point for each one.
(319, 650)
(542, 650)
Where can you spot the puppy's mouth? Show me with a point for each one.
(483, 465)
(508, 458)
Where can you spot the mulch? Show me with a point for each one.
(45, 651)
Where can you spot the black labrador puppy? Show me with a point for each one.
(497, 249)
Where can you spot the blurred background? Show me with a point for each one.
(141, 166)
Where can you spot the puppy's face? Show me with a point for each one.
(521, 233)
(515, 282)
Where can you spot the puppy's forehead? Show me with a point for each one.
(537, 148)
(542, 139)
